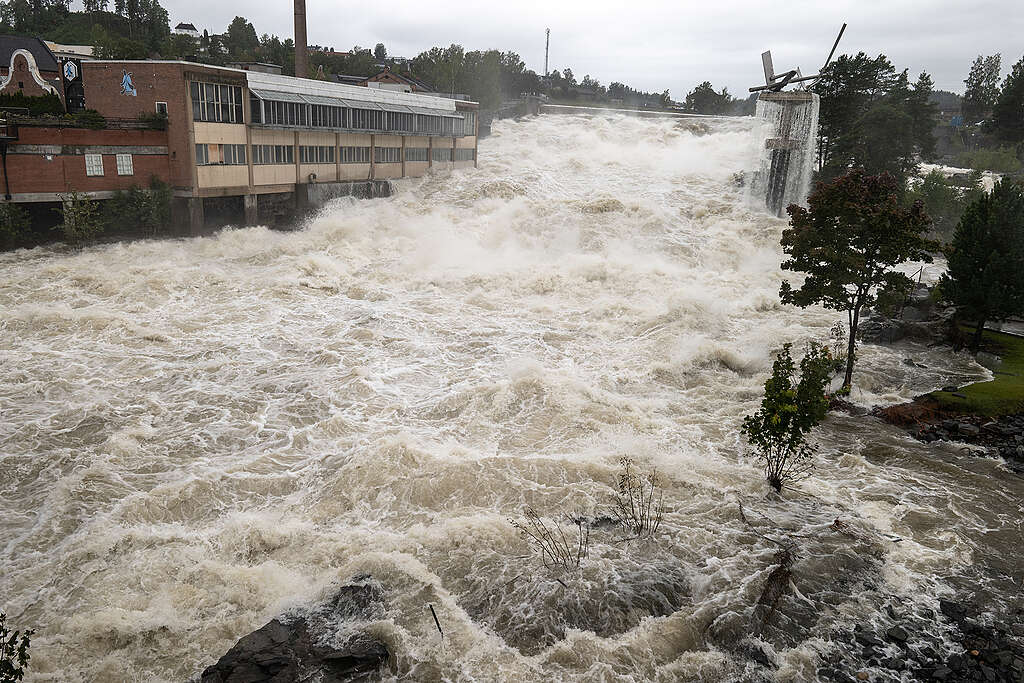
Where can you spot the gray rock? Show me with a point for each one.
(950, 388)
(897, 634)
(324, 644)
(968, 429)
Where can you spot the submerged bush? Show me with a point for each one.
(556, 548)
(13, 652)
(138, 209)
(789, 410)
(80, 218)
(14, 223)
(635, 507)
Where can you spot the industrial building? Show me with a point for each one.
(237, 141)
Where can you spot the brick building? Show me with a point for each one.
(240, 139)
(28, 66)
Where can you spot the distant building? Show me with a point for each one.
(392, 80)
(28, 66)
(63, 52)
(187, 30)
(256, 66)
(349, 80)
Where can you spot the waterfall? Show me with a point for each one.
(787, 157)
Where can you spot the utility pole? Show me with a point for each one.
(301, 49)
(547, 45)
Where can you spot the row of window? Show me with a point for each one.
(234, 155)
(318, 154)
(297, 114)
(94, 164)
(217, 103)
(231, 155)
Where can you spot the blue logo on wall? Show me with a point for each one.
(70, 71)
(127, 87)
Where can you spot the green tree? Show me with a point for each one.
(981, 87)
(943, 201)
(1008, 111)
(985, 277)
(240, 40)
(704, 100)
(846, 243)
(14, 654)
(789, 410)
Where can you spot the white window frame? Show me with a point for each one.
(158, 108)
(94, 165)
(125, 165)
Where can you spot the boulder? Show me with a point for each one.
(325, 643)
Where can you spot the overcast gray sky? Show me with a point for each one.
(657, 44)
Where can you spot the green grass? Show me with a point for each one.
(1004, 395)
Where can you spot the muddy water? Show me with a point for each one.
(197, 435)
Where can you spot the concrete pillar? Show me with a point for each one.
(196, 215)
(251, 209)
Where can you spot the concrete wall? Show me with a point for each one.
(219, 133)
(273, 174)
(223, 176)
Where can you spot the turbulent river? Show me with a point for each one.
(200, 434)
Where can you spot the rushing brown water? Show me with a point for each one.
(197, 435)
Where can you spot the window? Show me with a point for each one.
(161, 108)
(273, 154)
(465, 154)
(468, 123)
(202, 155)
(355, 155)
(93, 164)
(233, 155)
(326, 116)
(416, 153)
(285, 113)
(442, 154)
(217, 103)
(426, 123)
(387, 155)
(320, 154)
(124, 165)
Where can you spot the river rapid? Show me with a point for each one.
(200, 434)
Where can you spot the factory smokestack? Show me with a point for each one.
(301, 49)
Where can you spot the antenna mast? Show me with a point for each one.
(547, 45)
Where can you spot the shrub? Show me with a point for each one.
(80, 218)
(789, 410)
(36, 105)
(998, 159)
(135, 209)
(14, 223)
(90, 118)
(550, 538)
(634, 505)
(155, 120)
(13, 652)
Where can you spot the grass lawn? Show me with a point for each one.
(1004, 394)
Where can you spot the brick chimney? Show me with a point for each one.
(301, 49)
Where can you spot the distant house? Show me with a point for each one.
(256, 66)
(349, 80)
(63, 52)
(392, 80)
(28, 66)
(187, 30)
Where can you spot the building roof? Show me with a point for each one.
(351, 80)
(406, 78)
(186, 27)
(45, 59)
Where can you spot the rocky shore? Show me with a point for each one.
(911, 648)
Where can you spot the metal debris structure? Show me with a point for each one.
(787, 161)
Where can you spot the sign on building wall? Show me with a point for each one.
(74, 92)
(127, 84)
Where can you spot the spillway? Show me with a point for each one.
(201, 434)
